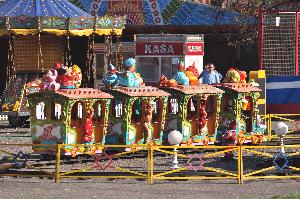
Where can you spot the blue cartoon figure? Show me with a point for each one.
(112, 77)
(130, 78)
(180, 76)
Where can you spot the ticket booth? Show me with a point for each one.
(158, 55)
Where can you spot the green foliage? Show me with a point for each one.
(78, 4)
(292, 196)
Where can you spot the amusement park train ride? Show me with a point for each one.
(126, 112)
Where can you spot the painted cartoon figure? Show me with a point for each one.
(234, 75)
(49, 135)
(180, 76)
(112, 78)
(50, 81)
(203, 115)
(77, 75)
(65, 77)
(147, 122)
(164, 82)
(88, 126)
(192, 73)
(130, 78)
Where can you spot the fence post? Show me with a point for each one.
(240, 165)
(269, 126)
(57, 164)
(150, 164)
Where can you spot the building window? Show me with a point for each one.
(149, 68)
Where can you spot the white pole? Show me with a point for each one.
(282, 145)
(175, 160)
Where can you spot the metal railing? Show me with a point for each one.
(151, 163)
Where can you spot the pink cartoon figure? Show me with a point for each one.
(50, 81)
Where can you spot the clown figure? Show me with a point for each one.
(130, 78)
(180, 76)
(111, 79)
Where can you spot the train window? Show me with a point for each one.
(210, 104)
(79, 111)
(118, 108)
(227, 104)
(173, 106)
(56, 111)
(192, 107)
(98, 109)
(40, 111)
(156, 110)
(136, 111)
(155, 106)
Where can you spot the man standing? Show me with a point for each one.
(210, 75)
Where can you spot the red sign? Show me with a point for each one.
(194, 48)
(159, 48)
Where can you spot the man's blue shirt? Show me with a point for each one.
(210, 77)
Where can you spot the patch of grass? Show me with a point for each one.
(292, 196)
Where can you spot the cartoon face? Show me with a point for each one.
(51, 75)
(47, 132)
(132, 69)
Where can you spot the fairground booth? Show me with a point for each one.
(160, 54)
(179, 17)
(41, 33)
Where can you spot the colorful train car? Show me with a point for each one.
(69, 116)
(239, 112)
(137, 115)
(194, 111)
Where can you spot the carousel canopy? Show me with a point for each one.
(165, 12)
(55, 16)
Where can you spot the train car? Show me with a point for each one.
(239, 112)
(137, 115)
(194, 111)
(68, 116)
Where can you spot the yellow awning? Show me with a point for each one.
(86, 32)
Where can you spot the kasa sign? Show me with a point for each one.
(194, 48)
(159, 48)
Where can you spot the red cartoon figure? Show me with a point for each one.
(65, 76)
(88, 126)
(203, 115)
(192, 73)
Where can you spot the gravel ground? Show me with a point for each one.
(18, 187)
(37, 188)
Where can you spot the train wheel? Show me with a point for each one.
(205, 141)
(241, 138)
(255, 139)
